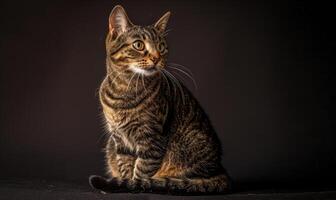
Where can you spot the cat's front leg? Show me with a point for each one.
(125, 159)
(149, 153)
(125, 165)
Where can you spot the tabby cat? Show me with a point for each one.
(160, 139)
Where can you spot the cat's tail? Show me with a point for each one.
(213, 185)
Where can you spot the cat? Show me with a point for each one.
(160, 139)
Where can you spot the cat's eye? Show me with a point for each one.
(138, 45)
(161, 47)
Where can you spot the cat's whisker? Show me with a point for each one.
(115, 78)
(143, 82)
(98, 89)
(136, 87)
(169, 76)
(177, 83)
(184, 67)
(164, 76)
(109, 74)
(187, 74)
(129, 82)
(182, 78)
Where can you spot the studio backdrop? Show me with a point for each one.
(262, 71)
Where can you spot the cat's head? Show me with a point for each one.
(136, 49)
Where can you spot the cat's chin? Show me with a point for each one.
(146, 72)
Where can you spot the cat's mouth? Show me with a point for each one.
(146, 71)
(151, 69)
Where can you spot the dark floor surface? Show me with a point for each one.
(35, 190)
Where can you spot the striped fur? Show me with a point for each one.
(160, 138)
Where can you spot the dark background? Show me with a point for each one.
(264, 72)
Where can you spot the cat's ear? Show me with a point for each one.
(118, 21)
(161, 24)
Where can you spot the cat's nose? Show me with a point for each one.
(154, 59)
